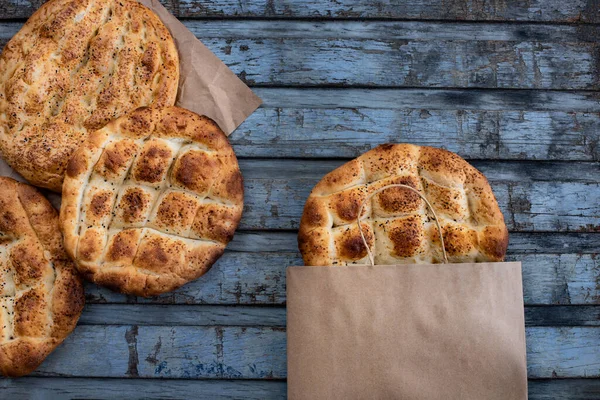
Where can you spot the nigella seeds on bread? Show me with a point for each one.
(151, 200)
(74, 66)
(41, 295)
(396, 223)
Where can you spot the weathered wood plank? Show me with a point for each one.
(333, 132)
(585, 11)
(260, 353)
(170, 352)
(392, 62)
(202, 315)
(533, 196)
(414, 63)
(559, 353)
(130, 388)
(259, 278)
(41, 388)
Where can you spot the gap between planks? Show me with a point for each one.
(253, 316)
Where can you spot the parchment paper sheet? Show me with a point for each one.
(452, 331)
(206, 85)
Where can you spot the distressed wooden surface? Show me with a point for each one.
(583, 11)
(304, 54)
(557, 269)
(126, 389)
(516, 92)
(533, 196)
(333, 132)
(239, 352)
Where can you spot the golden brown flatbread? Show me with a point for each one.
(74, 66)
(41, 295)
(396, 222)
(151, 200)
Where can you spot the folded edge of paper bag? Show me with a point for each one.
(206, 85)
(406, 331)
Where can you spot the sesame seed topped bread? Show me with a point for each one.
(41, 293)
(150, 200)
(74, 66)
(396, 223)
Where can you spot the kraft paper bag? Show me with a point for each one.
(436, 331)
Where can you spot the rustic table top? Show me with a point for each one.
(512, 86)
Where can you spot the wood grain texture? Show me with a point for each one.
(260, 353)
(259, 278)
(482, 124)
(533, 196)
(128, 389)
(580, 352)
(505, 135)
(307, 123)
(131, 388)
(583, 11)
(208, 315)
(283, 54)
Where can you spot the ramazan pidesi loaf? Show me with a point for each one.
(41, 294)
(150, 200)
(74, 66)
(396, 223)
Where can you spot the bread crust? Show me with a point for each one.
(397, 225)
(151, 200)
(41, 293)
(74, 66)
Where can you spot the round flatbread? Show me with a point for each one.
(74, 66)
(396, 222)
(40, 291)
(151, 200)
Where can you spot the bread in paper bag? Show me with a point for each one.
(396, 223)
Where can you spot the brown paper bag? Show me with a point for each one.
(435, 331)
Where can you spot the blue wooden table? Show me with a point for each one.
(513, 86)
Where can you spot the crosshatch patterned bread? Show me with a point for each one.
(40, 291)
(74, 66)
(150, 200)
(396, 223)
